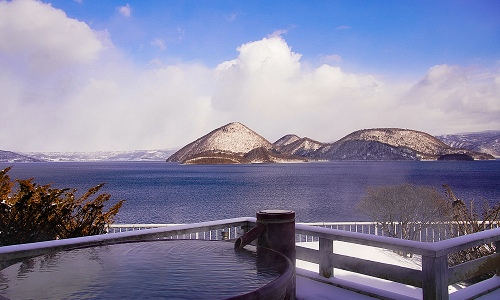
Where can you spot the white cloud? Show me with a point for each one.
(469, 98)
(43, 39)
(160, 44)
(278, 33)
(333, 57)
(231, 17)
(268, 88)
(181, 32)
(343, 27)
(156, 62)
(44, 57)
(81, 94)
(126, 11)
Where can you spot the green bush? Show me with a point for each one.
(35, 213)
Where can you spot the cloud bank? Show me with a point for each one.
(66, 87)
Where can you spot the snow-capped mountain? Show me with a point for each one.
(236, 143)
(485, 141)
(424, 145)
(233, 138)
(374, 144)
(287, 139)
(12, 157)
(137, 155)
(362, 150)
(294, 145)
(233, 143)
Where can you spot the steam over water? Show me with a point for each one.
(159, 192)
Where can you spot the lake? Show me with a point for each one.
(160, 192)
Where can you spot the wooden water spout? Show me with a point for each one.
(275, 230)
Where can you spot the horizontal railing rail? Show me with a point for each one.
(215, 234)
(434, 276)
(430, 234)
(112, 228)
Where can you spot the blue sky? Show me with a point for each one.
(123, 75)
(388, 37)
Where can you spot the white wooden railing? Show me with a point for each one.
(362, 227)
(426, 235)
(430, 234)
(213, 234)
(435, 275)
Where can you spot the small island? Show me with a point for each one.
(235, 143)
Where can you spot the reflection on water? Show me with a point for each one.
(158, 269)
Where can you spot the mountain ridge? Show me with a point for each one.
(426, 146)
(233, 137)
(483, 141)
(135, 155)
(365, 144)
(360, 150)
(287, 139)
(398, 137)
(300, 146)
(13, 157)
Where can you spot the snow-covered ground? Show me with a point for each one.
(309, 289)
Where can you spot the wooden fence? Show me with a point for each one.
(435, 275)
(431, 234)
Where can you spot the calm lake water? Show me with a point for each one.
(159, 192)
(144, 270)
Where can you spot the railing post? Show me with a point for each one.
(325, 254)
(497, 250)
(435, 278)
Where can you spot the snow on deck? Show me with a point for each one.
(310, 289)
